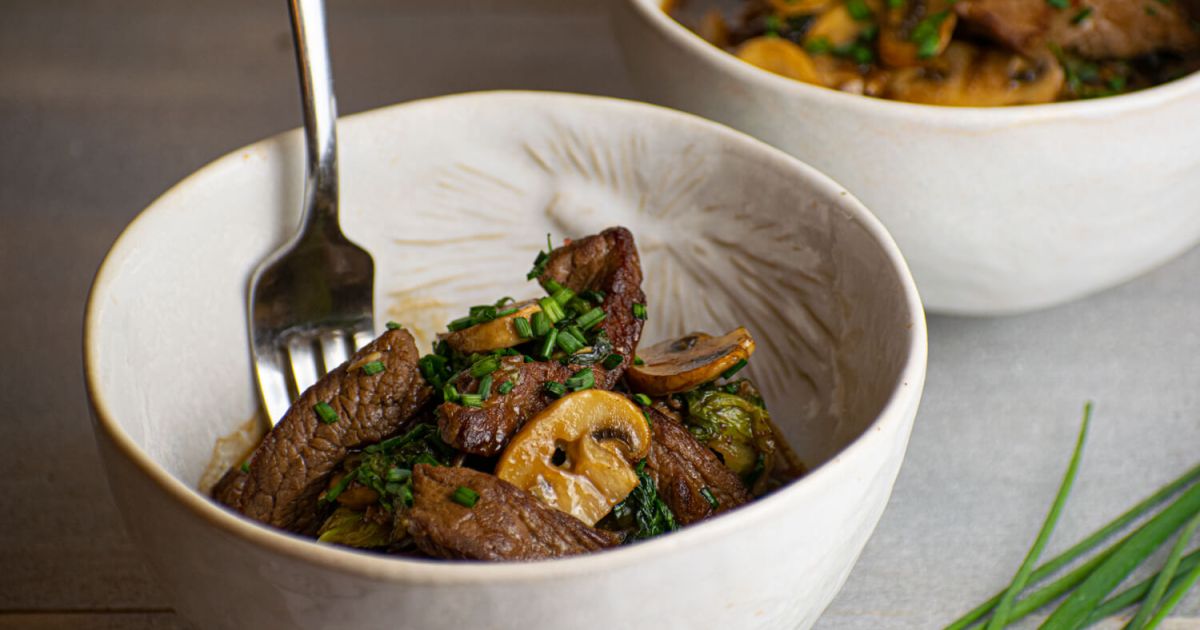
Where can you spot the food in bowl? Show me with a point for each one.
(535, 429)
(957, 52)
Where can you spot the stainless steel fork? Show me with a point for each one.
(311, 301)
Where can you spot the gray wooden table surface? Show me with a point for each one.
(104, 104)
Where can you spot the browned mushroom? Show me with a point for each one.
(916, 31)
(780, 56)
(575, 455)
(686, 363)
(495, 334)
(969, 76)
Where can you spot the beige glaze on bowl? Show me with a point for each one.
(997, 210)
(454, 196)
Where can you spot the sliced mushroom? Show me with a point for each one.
(686, 363)
(575, 455)
(968, 76)
(494, 335)
(714, 29)
(916, 31)
(778, 55)
(837, 27)
(790, 8)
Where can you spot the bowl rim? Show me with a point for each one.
(935, 115)
(906, 391)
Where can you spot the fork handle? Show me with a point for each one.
(320, 114)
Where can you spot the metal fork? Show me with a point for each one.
(311, 301)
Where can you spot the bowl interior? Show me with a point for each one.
(454, 197)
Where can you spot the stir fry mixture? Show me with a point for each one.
(958, 52)
(534, 429)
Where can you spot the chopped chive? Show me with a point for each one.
(1004, 608)
(611, 361)
(583, 379)
(505, 387)
(818, 45)
(461, 323)
(563, 295)
(1145, 613)
(737, 367)
(773, 25)
(899, 4)
(485, 387)
(577, 334)
(551, 286)
(450, 393)
(642, 399)
(394, 326)
(325, 412)
(246, 466)
(708, 496)
(548, 343)
(638, 360)
(1083, 14)
(639, 310)
(540, 324)
(432, 366)
(731, 388)
(1056, 589)
(568, 342)
(396, 474)
(333, 493)
(1059, 4)
(485, 366)
(595, 296)
(1124, 558)
(649, 422)
(472, 400)
(465, 496)
(590, 318)
(373, 368)
(524, 330)
(553, 311)
(555, 388)
(858, 10)
(507, 311)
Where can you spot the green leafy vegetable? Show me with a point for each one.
(734, 426)
(354, 529)
(647, 511)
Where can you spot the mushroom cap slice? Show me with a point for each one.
(494, 335)
(575, 455)
(780, 56)
(686, 363)
(968, 76)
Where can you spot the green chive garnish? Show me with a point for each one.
(461, 323)
(505, 387)
(1083, 14)
(394, 326)
(548, 343)
(555, 388)
(1004, 608)
(649, 422)
(568, 342)
(524, 330)
(642, 399)
(450, 393)
(507, 311)
(325, 412)
(583, 379)
(590, 318)
(540, 324)
(373, 368)
(639, 311)
(246, 466)
(472, 400)
(595, 296)
(1059, 4)
(563, 295)
(485, 387)
(858, 10)
(552, 310)
(485, 366)
(465, 496)
(818, 45)
(638, 360)
(612, 361)
(708, 496)
(551, 286)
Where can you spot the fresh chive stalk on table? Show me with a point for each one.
(1089, 584)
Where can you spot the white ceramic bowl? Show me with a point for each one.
(998, 210)
(454, 196)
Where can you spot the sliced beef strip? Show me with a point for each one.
(506, 523)
(292, 465)
(608, 262)
(1115, 29)
(681, 467)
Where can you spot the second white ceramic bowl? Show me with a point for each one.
(454, 197)
(998, 210)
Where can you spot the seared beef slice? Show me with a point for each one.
(682, 467)
(607, 262)
(292, 465)
(506, 523)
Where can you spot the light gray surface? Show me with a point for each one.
(105, 104)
